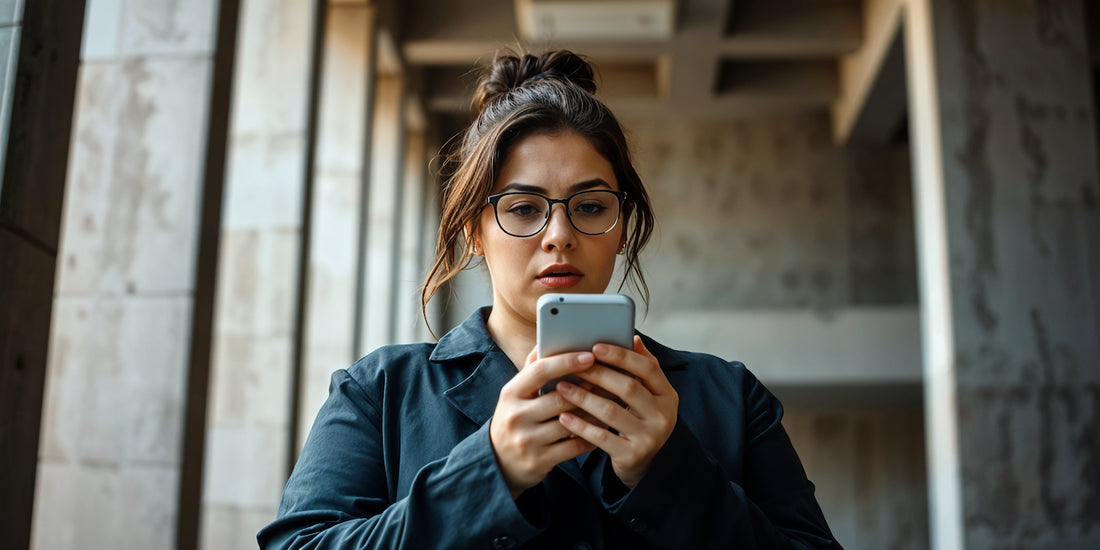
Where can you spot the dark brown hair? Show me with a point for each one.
(519, 96)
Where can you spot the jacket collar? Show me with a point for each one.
(476, 395)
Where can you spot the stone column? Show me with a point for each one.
(409, 263)
(112, 436)
(1006, 187)
(339, 174)
(383, 212)
(249, 413)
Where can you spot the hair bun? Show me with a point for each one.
(510, 71)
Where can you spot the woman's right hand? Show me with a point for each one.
(527, 438)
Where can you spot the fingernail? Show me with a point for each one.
(600, 349)
(585, 357)
(566, 417)
(566, 388)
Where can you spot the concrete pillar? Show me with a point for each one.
(39, 58)
(410, 266)
(249, 410)
(429, 228)
(339, 174)
(383, 212)
(111, 454)
(1006, 186)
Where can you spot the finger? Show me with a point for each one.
(546, 407)
(605, 410)
(535, 375)
(628, 390)
(601, 437)
(566, 449)
(637, 362)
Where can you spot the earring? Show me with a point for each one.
(622, 249)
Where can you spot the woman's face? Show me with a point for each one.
(559, 258)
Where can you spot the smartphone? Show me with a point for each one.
(576, 322)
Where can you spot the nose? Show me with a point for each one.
(559, 232)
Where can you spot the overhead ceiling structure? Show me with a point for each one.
(678, 58)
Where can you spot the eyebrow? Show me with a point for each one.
(575, 188)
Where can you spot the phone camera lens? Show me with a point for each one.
(553, 311)
(561, 298)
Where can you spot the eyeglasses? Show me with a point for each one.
(526, 214)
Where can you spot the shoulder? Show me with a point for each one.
(388, 365)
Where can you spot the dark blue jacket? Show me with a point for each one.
(399, 457)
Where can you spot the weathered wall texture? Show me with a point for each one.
(112, 426)
(1022, 188)
(868, 465)
(248, 429)
(763, 213)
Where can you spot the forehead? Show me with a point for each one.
(554, 162)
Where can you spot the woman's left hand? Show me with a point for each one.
(643, 425)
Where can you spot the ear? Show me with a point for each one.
(474, 241)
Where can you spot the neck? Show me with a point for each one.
(515, 337)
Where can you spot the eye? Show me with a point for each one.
(590, 208)
(523, 210)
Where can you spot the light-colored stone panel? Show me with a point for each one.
(238, 271)
(384, 211)
(407, 285)
(153, 347)
(134, 180)
(53, 496)
(88, 192)
(250, 472)
(89, 506)
(168, 27)
(102, 19)
(265, 182)
(252, 385)
(272, 79)
(116, 382)
(333, 249)
(67, 386)
(341, 128)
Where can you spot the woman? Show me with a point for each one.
(451, 445)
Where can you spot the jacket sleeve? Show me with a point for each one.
(687, 499)
(338, 496)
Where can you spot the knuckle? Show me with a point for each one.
(633, 388)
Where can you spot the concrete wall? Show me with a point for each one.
(1020, 185)
(110, 453)
(248, 429)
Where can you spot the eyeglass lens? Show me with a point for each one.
(591, 212)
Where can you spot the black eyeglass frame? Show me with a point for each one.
(495, 199)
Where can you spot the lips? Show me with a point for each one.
(559, 276)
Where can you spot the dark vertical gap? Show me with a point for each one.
(364, 202)
(206, 274)
(31, 208)
(399, 202)
(301, 298)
